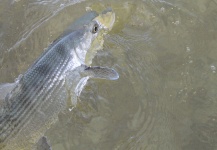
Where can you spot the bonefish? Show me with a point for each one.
(40, 94)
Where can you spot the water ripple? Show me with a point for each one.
(43, 19)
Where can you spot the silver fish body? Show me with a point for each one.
(42, 92)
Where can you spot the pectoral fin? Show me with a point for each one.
(101, 72)
(43, 144)
(80, 86)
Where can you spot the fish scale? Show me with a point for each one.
(41, 93)
(24, 100)
(38, 74)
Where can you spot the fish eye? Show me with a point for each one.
(95, 28)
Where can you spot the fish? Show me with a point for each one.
(53, 82)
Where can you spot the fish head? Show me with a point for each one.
(104, 23)
(92, 34)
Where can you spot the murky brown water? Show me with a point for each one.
(166, 54)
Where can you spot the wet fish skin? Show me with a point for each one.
(35, 88)
(41, 93)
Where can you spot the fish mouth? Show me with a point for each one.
(106, 18)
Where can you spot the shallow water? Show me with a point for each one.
(165, 53)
